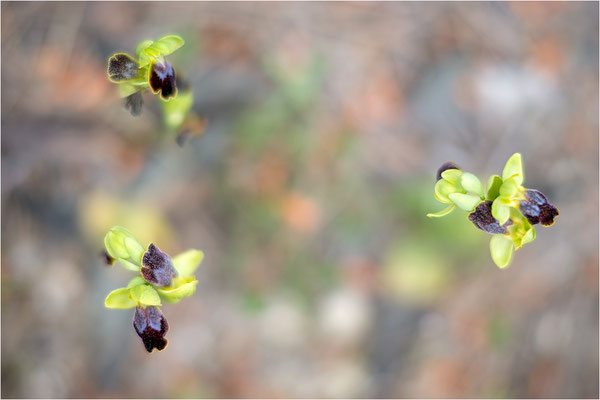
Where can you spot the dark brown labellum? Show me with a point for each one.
(162, 79)
(444, 167)
(537, 208)
(122, 67)
(483, 219)
(134, 103)
(157, 267)
(151, 325)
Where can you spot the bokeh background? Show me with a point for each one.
(308, 192)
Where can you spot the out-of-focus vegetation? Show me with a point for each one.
(307, 191)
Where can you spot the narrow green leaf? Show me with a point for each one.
(445, 211)
(164, 46)
(186, 263)
(145, 295)
(472, 184)
(500, 211)
(501, 249)
(493, 187)
(119, 298)
(514, 168)
(184, 288)
(465, 202)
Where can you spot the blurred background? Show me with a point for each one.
(307, 192)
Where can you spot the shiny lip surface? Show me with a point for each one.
(151, 326)
(162, 79)
(157, 267)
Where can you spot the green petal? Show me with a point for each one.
(164, 46)
(145, 295)
(528, 237)
(509, 188)
(127, 89)
(442, 189)
(137, 280)
(514, 168)
(129, 265)
(465, 202)
(452, 175)
(183, 287)
(119, 298)
(187, 262)
(121, 244)
(471, 183)
(115, 245)
(136, 251)
(501, 249)
(143, 58)
(445, 211)
(493, 187)
(500, 211)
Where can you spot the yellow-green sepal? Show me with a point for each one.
(127, 89)
(514, 168)
(442, 189)
(442, 213)
(182, 287)
(121, 245)
(493, 187)
(472, 184)
(143, 58)
(463, 201)
(500, 211)
(501, 250)
(145, 295)
(509, 188)
(129, 265)
(176, 109)
(164, 46)
(452, 176)
(119, 298)
(529, 236)
(135, 281)
(114, 243)
(186, 263)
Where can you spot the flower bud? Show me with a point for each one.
(121, 244)
(444, 167)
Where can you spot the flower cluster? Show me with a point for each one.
(160, 278)
(506, 209)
